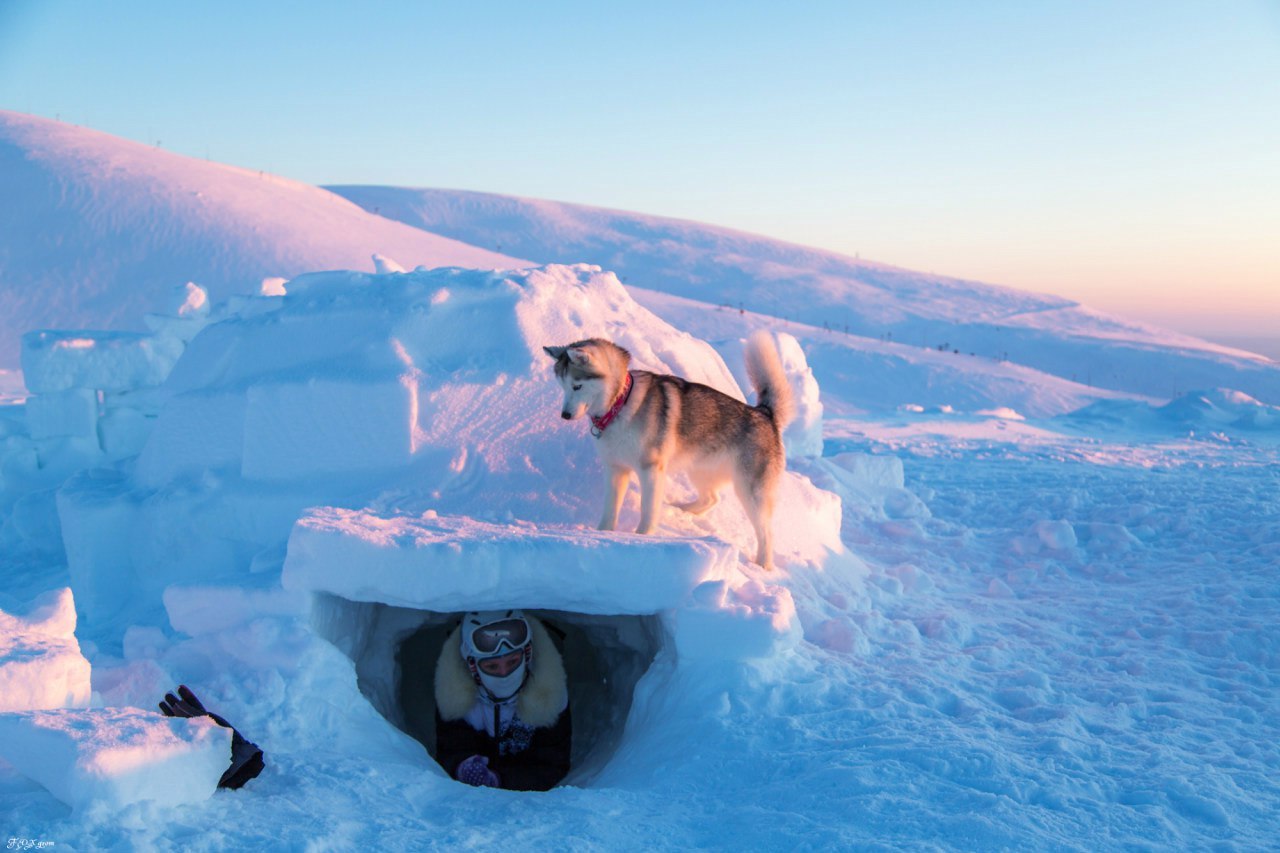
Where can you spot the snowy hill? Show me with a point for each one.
(96, 231)
(828, 290)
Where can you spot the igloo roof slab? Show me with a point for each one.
(447, 563)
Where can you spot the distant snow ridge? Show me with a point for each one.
(833, 292)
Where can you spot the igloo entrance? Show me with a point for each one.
(395, 650)
(612, 597)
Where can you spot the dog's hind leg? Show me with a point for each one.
(764, 536)
(759, 509)
(615, 488)
(708, 488)
(653, 479)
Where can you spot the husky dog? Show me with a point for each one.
(649, 422)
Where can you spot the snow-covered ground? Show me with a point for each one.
(1012, 609)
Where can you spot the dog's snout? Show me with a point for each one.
(566, 415)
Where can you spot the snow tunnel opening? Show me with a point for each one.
(395, 650)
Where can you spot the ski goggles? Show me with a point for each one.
(511, 634)
(501, 666)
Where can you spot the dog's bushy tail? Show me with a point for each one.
(764, 368)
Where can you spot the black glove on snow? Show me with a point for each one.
(246, 758)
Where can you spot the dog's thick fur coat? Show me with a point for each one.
(670, 423)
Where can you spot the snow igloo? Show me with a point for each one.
(388, 449)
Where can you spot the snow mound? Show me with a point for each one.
(111, 757)
(1003, 413)
(1221, 409)
(41, 666)
(97, 231)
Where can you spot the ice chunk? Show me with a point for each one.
(1107, 537)
(1058, 535)
(73, 412)
(903, 504)
(870, 472)
(117, 756)
(195, 301)
(188, 315)
(106, 361)
(124, 431)
(93, 513)
(40, 661)
(451, 563)
(18, 457)
(383, 265)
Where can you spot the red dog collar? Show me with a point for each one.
(598, 424)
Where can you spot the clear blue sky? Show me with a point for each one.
(1126, 154)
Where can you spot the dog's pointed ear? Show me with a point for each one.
(554, 352)
(579, 355)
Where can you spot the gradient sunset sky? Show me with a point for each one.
(1124, 154)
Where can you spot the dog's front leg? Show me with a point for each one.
(615, 487)
(652, 480)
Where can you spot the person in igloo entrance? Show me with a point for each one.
(502, 703)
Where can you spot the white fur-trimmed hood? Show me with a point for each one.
(539, 703)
